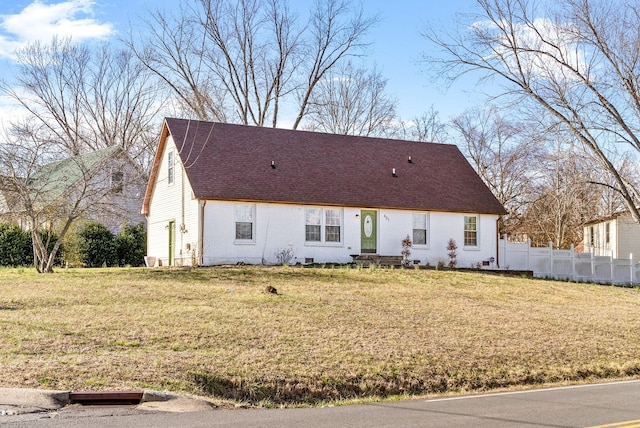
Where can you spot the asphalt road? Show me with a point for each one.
(603, 405)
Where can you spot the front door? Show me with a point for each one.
(368, 231)
(172, 240)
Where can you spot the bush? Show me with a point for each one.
(131, 246)
(15, 246)
(97, 246)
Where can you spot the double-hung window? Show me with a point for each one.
(470, 231)
(170, 167)
(244, 218)
(420, 229)
(323, 225)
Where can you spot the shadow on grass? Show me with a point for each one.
(314, 391)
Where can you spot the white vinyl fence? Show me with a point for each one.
(545, 262)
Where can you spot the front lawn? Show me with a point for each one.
(329, 334)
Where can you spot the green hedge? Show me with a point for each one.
(93, 245)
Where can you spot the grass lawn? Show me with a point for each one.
(330, 334)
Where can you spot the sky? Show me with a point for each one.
(396, 49)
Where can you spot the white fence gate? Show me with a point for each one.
(545, 262)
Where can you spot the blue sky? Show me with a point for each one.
(396, 42)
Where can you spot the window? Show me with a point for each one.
(332, 225)
(470, 231)
(244, 222)
(313, 224)
(116, 181)
(591, 237)
(170, 167)
(607, 234)
(323, 225)
(419, 229)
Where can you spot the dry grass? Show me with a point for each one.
(330, 334)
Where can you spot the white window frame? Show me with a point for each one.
(244, 213)
(476, 231)
(326, 221)
(171, 167)
(420, 219)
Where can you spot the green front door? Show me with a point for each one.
(368, 231)
(172, 240)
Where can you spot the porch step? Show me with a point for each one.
(366, 260)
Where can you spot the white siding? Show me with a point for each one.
(172, 202)
(595, 238)
(624, 238)
(628, 238)
(281, 226)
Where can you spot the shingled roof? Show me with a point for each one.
(247, 163)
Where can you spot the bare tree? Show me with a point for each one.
(352, 101)
(240, 60)
(576, 59)
(85, 100)
(563, 199)
(336, 31)
(427, 127)
(504, 154)
(77, 105)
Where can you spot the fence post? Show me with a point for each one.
(504, 252)
(552, 273)
(631, 267)
(573, 264)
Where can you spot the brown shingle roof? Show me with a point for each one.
(234, 162)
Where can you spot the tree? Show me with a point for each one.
(576, 60)
(563, 198)
(76, 103)
(82, 100)
(239, 61)
(503, 154)
(352, 101)
(427, 127)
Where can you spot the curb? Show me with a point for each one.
(14, 401)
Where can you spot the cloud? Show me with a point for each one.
(40, 21)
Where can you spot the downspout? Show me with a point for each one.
(201, 229)
(498, 242)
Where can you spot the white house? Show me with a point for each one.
(617, 235)
(226, 194)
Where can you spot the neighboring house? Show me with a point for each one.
(7, 203)
(226, 194)
(108, 183)
(617, 235)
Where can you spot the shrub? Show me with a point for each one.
(451, 252)
(97, 245)
(406, 251)
(15, 248)
(131, 245)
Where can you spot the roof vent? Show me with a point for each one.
(273, 164)
(409, 160)
(393, 172)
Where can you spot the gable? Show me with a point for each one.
(236, 162)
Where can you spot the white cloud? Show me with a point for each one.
(39, 21)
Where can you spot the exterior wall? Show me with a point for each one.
(628, 241)
(597, 241)
(624, 238)
(172, 203)
(120, 208)
(279, 227)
